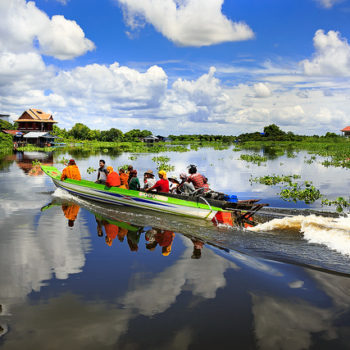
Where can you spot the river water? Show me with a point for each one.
(76, 274)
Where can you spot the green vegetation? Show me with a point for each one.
(271, 180)
(6, 143)
(162, 163)
(203, 138)
(253, 158)
(82, 132)
(305, 192)
(340, 203)
(90, 170)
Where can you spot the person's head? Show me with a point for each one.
(130, 167)
(173, 179)
(162, 174)
(205, 179)
(192, 169)
(150, 235)
(71, 162)
(102, 163)
(109, 169)
(149, 174)
(133, 173)
(121, 171)
(70, 223)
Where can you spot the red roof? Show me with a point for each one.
(346, 129)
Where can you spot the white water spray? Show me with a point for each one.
(332, 232)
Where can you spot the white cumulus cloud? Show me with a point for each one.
(186, 22)
(332, 56)
(24, 27)
(328, 3)
(261, 90)
(114, 84)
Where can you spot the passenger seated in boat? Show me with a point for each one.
(130, 169)
(101, 173)
(148, 179)
(185, 187)
(71, 171)
(113, 179)
(123, 179)
(206, 185)
(174, 184)
(162, 185)
(134, 183)
(195, 178)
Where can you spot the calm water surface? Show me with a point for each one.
(75, 274)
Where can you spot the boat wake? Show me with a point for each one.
(331, 232)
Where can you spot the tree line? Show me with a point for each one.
(82, 132)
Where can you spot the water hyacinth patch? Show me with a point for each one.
(296, 192)
(271, 180)
(253, 158)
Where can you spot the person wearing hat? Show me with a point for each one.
(134, 183)
(174, 183)
(148, 179)
(162, 185)
(113, 178)
(71, 171)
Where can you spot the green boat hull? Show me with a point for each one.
(140, 199)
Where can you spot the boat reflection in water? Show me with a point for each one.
(156, 239)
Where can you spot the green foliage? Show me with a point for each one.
(63, 161)
(296, 192)
(273, 131)
(136, 134)
(125, 167)
(203, 138)
(36, 163)
(79, 131)
(90, 170)
(112, 135)
(5, 125)
(340, 203)
(6, 143)
(253, 158)
(56, 131)
(162, 163)
(271, 180)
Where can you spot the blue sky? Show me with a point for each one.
(179, 66)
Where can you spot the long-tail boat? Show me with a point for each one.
(200, 205)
